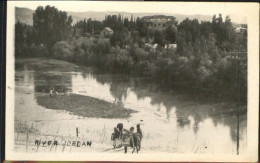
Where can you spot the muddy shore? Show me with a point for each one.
(84, 106)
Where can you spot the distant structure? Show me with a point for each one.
(170, 46)
(150, 46)
(159, 22)
(106, 32)
(239, 28)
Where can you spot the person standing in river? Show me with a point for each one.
(130, 135)
(139, 134)
(51, 93)
(120, 128)
(139, 131)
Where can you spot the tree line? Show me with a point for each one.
(203, 61)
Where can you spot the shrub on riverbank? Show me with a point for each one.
(62, 50)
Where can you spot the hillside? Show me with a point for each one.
(101, 15)
(25, 15)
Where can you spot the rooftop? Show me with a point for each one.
(108, 29)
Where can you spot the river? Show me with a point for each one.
(170, 123)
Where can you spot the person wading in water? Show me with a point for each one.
(120, 128)
(139, 133)
(51, 93)
(130, 134)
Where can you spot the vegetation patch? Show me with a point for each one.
(84, 106)
(199, 56)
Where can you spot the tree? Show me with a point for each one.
(132, 23)
(89, 26)
(84, 27)
(23, 39)
(141, 26)
(126, 22)
(159, 38)
(228, 28)
(51, 25)
(171, 34)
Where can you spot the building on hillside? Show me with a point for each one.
(159, 22)
(239, 28)
(106, 32)
(150, 47)
(170, 46)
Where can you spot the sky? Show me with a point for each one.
(237, 10)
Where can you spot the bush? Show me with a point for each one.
(62, 50)
(119, 60)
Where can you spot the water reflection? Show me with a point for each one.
(45, 81)
(121, 88)
(168, 115)
(223, 113)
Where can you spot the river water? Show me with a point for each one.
(170, 123)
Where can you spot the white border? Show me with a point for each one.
(253, 95)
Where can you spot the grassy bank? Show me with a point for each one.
(50, 64)
(84, 106)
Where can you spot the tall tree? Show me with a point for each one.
(51, 25)
(84, 27)
(171, 33)
(23, 38)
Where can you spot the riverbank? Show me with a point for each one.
(84, 106)
(203, 93)
(50, 64)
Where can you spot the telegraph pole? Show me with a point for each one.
(238, 107)
(237, 59)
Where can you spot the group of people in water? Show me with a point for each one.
(121, 136)
(127, 138)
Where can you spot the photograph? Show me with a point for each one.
(132, 81)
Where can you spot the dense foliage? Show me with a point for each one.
(204, 60)
(50, 25)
